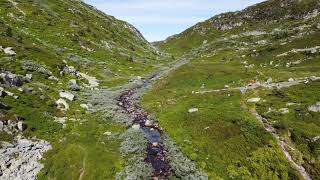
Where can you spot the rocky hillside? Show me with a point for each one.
(51, 52)
(265, 16)
(248, 97)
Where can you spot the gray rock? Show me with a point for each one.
(10, 79)
(73, 86)
(1, 125)
(33, 66)
(67, 95)
(314, 108)
(21, 126)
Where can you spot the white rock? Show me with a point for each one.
(62, 104)
(20, 126)
(67, 95)
(53, 78)
(107, 133)
(60, 120)
(155, 144)
(193, 110)
(84, 106)
(29, 76)
(291, 80)
(9, 51)
(136, 126)
(148, 123)
(253, 100)
(284, 110)
(314, 108)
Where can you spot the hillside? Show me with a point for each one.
(51, 54)
(246, 104)
(84, 95)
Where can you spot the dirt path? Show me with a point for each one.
(283, 144)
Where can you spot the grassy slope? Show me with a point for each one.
(223, 138)
(53, 31)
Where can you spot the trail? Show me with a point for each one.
(278, 85)
(283, 144)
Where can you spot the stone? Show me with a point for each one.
(11, 79)
(73, 86)
(253, 100)
(136, 126)
(154, 144)
(148, 123)
(4, 106)
(193, 110)
(29, 76)
(84, 106)
(314, 108)
(269, 81)
(284, 110)
(21, 126)
(60, 120)
(9, 51)
(291, 80)
(53, 78)
(62, 104)
(1, 125)
(107, 133)
(67, 95)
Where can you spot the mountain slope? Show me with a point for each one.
(247, 99)
(261, 17)
(51, 53)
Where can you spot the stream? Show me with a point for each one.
(155, 148)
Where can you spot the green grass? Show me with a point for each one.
(302, 125)
(222, 138)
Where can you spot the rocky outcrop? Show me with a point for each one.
(35, 67)
(20, 159)
(10, 79)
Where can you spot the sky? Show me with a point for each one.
(159, 19)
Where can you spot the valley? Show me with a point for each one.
(84, 96)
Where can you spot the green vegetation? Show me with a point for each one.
(299, 126)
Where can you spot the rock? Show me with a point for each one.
(291, 80)
(62, 104)
(269, 81)
(27, 89)
(20, 160)
(314, 108)
(53, 78)
(4, 106)
(11, 79)
(107, 133)
(284, 110)
(73, 86)
(148, 123)
(193, 110)
(226, 86)
(33, 66)
(9, 51)
(253, 100)
(29, 76)
(21, 126)
(155, 144)
(60, 120)
(84, 106)
(136, 126)
(1, 125)
(67, 95)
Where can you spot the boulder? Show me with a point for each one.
(193, 110)
(62, 104)
(253, 100)
(314, 108)
(29, 76)
(136, 126)
(22, 126)
(73, 86)
(67, 95)
(84, 106)
(1, 125)
(107, 133)
(10, 79)
(9, 51)
(148, 123)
